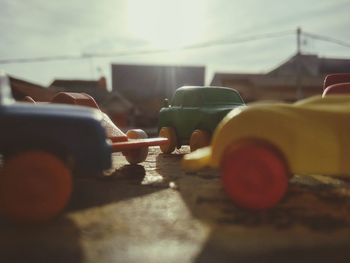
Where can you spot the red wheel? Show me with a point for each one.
(35, 186)
(254, 175)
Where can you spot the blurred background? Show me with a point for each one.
(131, 54)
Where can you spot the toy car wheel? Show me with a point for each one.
(35, 186)
(199, 139)
(168, 132)
(255, 175)
(136, 155)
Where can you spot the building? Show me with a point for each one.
(21, 88)
(116, 106)
(299, 77)
(147, 86)
(95, 88)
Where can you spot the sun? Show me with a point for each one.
(166, 23)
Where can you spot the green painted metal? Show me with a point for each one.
(198, 107)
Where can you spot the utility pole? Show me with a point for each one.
(298, 40)
(298, 77)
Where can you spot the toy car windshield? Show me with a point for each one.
(221, 97)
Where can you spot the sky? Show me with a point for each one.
(130, 31)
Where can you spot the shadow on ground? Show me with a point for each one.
(311, 223)
(56, 241)
(124, 182)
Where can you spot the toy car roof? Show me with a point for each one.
(203, 87)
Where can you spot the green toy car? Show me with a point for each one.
(193, 115)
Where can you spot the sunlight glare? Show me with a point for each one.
(166, 23)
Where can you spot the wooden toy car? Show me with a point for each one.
(259, 147)
(336, 78)
(41, 144)
(134, 144)
(336, 84)
(193, 115)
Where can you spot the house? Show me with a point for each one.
(95, 88)
(299, 77)
(119, 109)
(146, 86)
(116, 106)
(21, 88)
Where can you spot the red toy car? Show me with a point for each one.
(336, 84)
(134, 144)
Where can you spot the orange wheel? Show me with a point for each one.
(35, 186)
(137, 155)
(168, 132)
(199, 139)
(254, 175)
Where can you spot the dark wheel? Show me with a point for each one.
(35, 186)
(199, 139)
(254, 175)
(137, 155)
(168, 132)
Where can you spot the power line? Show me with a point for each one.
(326, 39)
(40, 59)
(240, 40)
(224, 41)
(219, 42)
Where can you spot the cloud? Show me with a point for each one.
(48, 28)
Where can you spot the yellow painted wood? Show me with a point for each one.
(312, 134)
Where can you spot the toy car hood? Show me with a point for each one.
(312, 134)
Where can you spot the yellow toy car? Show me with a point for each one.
(259, 147)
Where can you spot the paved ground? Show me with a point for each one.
(155, 212)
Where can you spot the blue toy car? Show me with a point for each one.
(41, 144)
